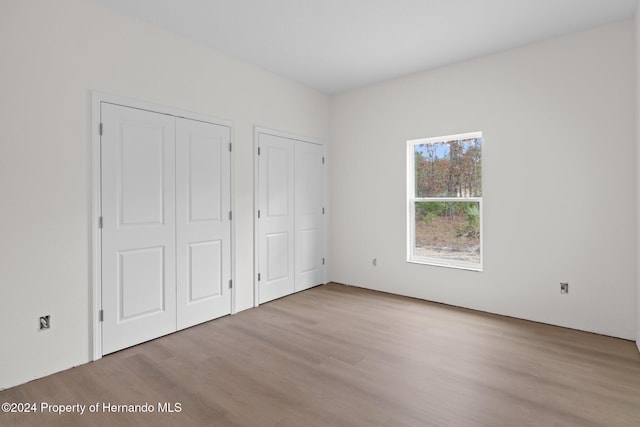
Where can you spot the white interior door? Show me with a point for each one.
(276, 222)
(138, 235)
(203, 221)
(166, 228)
(309, 230)
(291, 224)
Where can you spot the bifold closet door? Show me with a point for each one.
(203, 221)
(309, 230)
(290, 224)
(166, 235)
(276, 221)
(138, 234)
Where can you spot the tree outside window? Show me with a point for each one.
(444, 201)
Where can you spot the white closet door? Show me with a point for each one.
(309, 232)
(138, 235)
(203, 223)
(276, 223)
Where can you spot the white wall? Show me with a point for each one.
(559, 165)
(53, 55)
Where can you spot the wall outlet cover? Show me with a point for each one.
(45, 322)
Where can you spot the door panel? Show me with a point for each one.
(141, 195)
(138, 235)
(277, 256)
(204, 169)
(279, 179)
(205, 271)
(141, 283)
(309, 230)
(203, 188)
(276, 230)
(309, 253)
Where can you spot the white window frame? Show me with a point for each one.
(412, 200)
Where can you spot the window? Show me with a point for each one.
(444, 201)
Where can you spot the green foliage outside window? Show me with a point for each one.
(447, 187)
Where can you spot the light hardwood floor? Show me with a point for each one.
(342, 356)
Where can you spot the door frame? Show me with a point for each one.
(97, 98)
(257, 130)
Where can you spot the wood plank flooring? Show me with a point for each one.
(342, 356)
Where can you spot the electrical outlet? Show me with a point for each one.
(375, 262)
(564, 288)
(45, 322)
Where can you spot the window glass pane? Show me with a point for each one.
(448, 168)
(448, 230)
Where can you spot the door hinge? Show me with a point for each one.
(101, 315)
(230, 147)
(258, 213)
(322, 261)
(230, 284)
(230, 216)
(323, 160)
(100, 129)
(322, 211)
(100, 222)
(258, 151)
(258, 277)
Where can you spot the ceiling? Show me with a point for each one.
(338, 45)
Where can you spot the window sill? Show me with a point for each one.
(447, 264)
